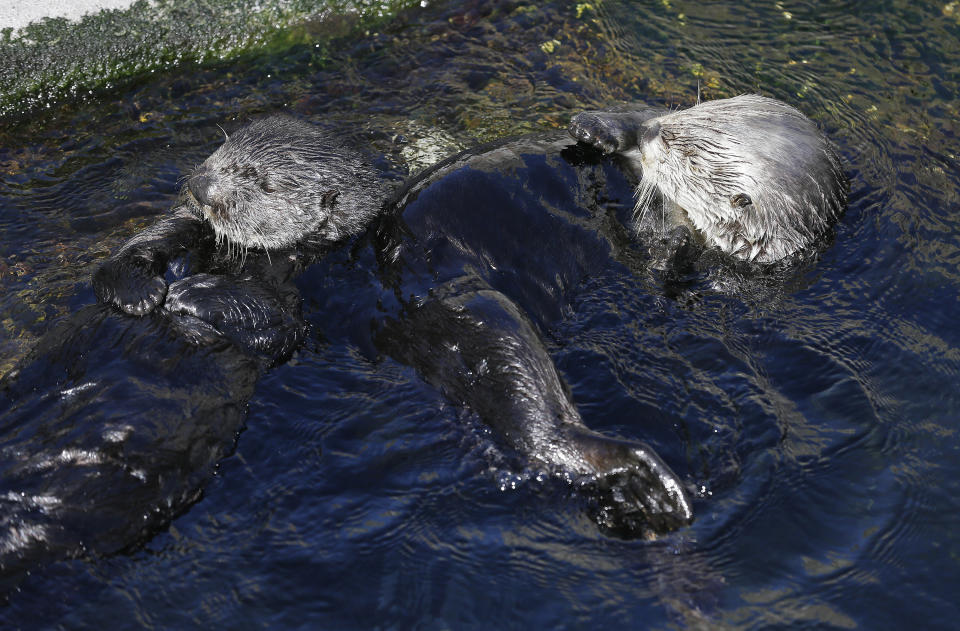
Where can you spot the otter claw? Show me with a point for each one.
(589, 128)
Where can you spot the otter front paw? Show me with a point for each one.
(607, 131)
(129, 286)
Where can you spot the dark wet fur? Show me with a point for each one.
(113, 423)
(463, 284)
(478, 256)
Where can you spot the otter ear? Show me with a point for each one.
(740, 200)
(329, 197)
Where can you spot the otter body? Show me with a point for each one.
(473, 262)
(459, 277)
(112, 424)
(110, 428)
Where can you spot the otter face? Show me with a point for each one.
(271, 184)
(754, 175)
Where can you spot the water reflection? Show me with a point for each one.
(818, 421)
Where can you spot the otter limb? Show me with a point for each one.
(132, 279)
(481, 352)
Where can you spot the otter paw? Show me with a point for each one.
(247, 313)
(630, 505)
(130, 287)
(682, 250)
(603, 130)
(633, 493)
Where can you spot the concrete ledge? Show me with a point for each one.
(19, 13)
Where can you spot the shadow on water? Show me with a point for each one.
(816, 419)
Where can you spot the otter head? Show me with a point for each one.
(280, 180)
(754, 175)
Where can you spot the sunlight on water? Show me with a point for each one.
(815, 418)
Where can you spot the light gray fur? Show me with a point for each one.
(707, 157)
(280, 180)
(752, 175)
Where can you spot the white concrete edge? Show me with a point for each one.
(19, 13)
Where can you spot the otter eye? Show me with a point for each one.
(740, 200)
(265, 186)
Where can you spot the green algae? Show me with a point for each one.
(57, 59)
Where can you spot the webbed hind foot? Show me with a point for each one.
(633, 493)
(252, 316)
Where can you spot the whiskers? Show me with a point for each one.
(644, 195)
(263, 242)
(232, 250)
(236, 250)
(188, 201)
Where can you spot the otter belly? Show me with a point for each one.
(113, 424)
(110, 427)
(530, 218)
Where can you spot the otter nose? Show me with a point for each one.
(651, 131)
(202, 188)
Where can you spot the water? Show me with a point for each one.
(817, 419)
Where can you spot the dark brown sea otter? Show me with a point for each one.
(463, 270)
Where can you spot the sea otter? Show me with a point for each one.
(113, 424)
(458, 274)
(751, 175)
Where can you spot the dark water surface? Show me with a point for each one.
(817, 421)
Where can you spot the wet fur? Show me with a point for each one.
(754, 176)
(280, 183)
(280, 179)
